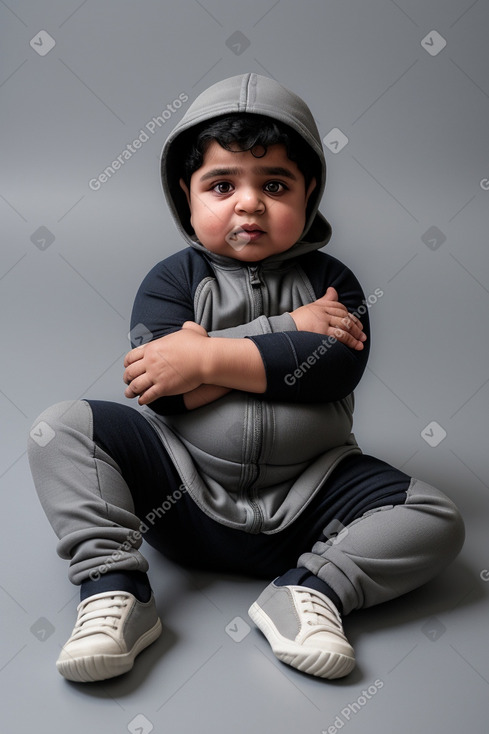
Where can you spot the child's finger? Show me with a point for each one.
(134, 355)
(193, 326)
(354, 329)
(137, 387)
(351, 323)
(331, 293)
(348, 339)
(133, 370)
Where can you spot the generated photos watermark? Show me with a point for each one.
(42, 433)
(326, 343)
(352, 709)
(135, 535)
(42, 629)
(237, 629)
(150, 128)
(42, 43)
(238, 238)
(433, 434)
(140, 725)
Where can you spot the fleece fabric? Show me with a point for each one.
(254, 462)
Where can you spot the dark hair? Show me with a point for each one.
(242, 132)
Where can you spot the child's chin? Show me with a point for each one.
(249, 253)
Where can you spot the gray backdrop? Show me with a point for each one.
(400, 91)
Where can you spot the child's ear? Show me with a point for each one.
(185, 189)
(310, 188)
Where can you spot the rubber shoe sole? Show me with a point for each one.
(328, 664)
(92, 668)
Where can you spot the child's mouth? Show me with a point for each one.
(240, 237)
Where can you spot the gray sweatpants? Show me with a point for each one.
(386, 548)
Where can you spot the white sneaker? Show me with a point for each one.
(111, 629)
(304, 629)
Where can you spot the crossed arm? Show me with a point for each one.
(204, 368)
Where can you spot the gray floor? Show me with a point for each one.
(407, 196)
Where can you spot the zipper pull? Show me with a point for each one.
(254, 277)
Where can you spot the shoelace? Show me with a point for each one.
(319, 614)
(103, 614)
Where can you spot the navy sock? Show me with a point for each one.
(134, 582)
(303, 577)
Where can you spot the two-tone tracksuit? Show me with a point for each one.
(268, 485)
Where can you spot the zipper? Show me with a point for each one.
(256, 447)
(256, 294)
(256, 423)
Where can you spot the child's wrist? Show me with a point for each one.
(207, 360)
(233, 363)
(214, 357)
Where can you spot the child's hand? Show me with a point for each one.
(170, 365)
(203, 395)
(329, 317)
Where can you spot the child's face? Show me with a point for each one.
(245, 207)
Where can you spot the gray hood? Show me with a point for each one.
(258, 95)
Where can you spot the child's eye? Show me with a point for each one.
(275, 187)
(223, 187)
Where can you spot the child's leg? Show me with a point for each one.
(384, 534)
(84, 495)
(391, 548)
(93, 511)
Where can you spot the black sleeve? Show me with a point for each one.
(163, 303)
(300, 366)
(306, 367)
(165, 300)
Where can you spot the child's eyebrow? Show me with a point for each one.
(259, 170)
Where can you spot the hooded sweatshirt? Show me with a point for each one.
(254, 462)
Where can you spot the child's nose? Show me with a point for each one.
(250, 200)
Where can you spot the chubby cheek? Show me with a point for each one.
(288, 225)
(208, 226)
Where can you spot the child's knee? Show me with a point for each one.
(66, 416)
(441, 517)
